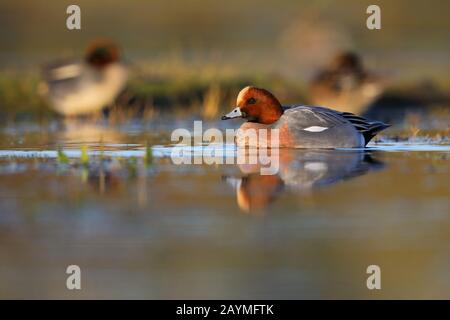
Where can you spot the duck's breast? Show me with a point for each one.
(254, 134)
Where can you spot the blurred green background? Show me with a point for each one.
(184, 46)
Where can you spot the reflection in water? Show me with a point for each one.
(107, 178)
(300, 172)
(103, 180)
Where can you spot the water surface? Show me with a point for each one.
(143, 227)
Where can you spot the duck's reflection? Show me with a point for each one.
(111, 178)
(299, 171)
(104, 180)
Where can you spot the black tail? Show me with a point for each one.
(368, 129)
(373, 130)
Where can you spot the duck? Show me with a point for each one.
(345, 84)
(85, 87)
(299, 126)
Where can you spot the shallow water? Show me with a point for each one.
(143, 227)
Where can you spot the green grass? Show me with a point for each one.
(180, 91)
(19, 98)
(62, 157)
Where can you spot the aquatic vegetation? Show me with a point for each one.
(62, 157)
(84, 174)
(19, 97)
(84, 158)
(211, 102)
(414, 131)
(132, 167)
(148, 157)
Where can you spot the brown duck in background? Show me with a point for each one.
(345, 85)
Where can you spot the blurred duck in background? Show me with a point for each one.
(345, 85)
(86, 87)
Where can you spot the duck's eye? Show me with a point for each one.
(251, 101)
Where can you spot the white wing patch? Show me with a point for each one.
(315, 129)
(316, 166)
(64, 72)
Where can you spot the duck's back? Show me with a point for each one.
(317, 127)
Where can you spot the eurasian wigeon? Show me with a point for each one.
(84, 87)
(298, 126)
(345, 85)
